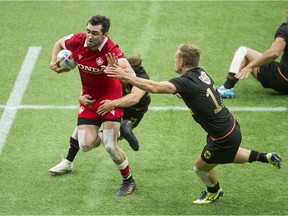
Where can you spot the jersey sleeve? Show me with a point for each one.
(282, 32)
(178, 84)
(114, 48)
(140, 72)
(73, 41)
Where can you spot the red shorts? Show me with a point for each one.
(90, 112)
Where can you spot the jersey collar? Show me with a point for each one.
(102, 45)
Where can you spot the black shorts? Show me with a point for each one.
(134, 116)
(271, 76)
(222, 151)
(98, 122)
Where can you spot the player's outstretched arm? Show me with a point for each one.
(144, 84)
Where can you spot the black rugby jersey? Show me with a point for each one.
(146, 99)
(199, 93)
(282, 31)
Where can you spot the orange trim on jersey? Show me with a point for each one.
(234, 123)
(280, 72)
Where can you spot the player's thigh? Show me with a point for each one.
(89, 132)
(242, 155)
(134, 116)
(252, 54)
(111, 128)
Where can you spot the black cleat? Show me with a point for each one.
(126, 133)
(127, 187)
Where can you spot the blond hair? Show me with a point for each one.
(190, 54)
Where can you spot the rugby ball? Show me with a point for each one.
(65, 59)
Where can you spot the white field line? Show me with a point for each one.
(21, 83)
(17, 93)
(152, 108)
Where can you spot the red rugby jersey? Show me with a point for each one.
(94, 81)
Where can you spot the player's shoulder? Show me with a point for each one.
(284, 24)
(194, 72)
(77, 35)
(140, 72)
(282, 31)
(110, 42)
(74, 38)
(283, 27)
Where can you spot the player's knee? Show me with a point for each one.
(110, 145)
(85, 147)
(204, 176)
(197, 171)
(110, 148)
(242, 50)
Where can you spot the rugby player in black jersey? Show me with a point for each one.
(199, 93)
(263, 66)
(134, 101)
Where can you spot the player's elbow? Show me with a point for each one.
(275, 55)
(153, 90)
(134, 100)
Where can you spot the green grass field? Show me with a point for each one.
(170, 140)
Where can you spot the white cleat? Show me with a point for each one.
(63, 167)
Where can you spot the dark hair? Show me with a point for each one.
(190, 54)
(101, 20)
(135, 61)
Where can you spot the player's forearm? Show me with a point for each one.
(144, 84)
(265, 58)
(127, 101)
(269, 55)
(55, 50)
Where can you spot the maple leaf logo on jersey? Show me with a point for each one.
(205, 78)
(112, 112)
(99, 61)
(81, 109)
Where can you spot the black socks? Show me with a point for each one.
(231, 81)
(73, 150)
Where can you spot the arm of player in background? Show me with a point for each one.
(126, 101)
(267, 57)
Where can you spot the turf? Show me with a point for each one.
(170, 140)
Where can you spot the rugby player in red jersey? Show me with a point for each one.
(89, 50)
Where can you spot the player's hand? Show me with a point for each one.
(107, 106)
(116, 71)
(178, 95)
(55, 66)
(243, 73)
(112, 59)
(86, 100)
